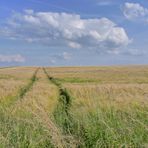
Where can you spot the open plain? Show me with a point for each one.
(74, 107)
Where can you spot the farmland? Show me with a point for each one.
(74, 107)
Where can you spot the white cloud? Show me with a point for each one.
(74, 45)
(63, 29)
(134, 11)
(12, 58)
(66, 56)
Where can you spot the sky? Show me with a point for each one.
(73, 32)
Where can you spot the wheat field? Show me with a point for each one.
(70, 107)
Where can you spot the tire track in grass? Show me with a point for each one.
(41, 114)
(62, 113)
(22, 91)
(57, 138)
(39, 111)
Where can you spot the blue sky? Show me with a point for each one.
(76, 32)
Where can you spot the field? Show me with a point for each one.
(70, 107)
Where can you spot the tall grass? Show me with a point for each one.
(104, 121)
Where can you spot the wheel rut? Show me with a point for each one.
(62, 115)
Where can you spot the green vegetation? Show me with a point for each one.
(77, 80)
(20, 133)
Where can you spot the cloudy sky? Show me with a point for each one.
(73, 32)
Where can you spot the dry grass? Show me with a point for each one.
(42, 94)
(22, 73)
(121, 95)
(11, 82)
(107, 75)
(10, 87)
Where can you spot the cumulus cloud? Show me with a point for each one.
(63, 29)
(12, 58)
(134, 11)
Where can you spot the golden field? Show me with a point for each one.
(74, 107)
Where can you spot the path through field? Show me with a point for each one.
(38, 109)
(40, 106)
